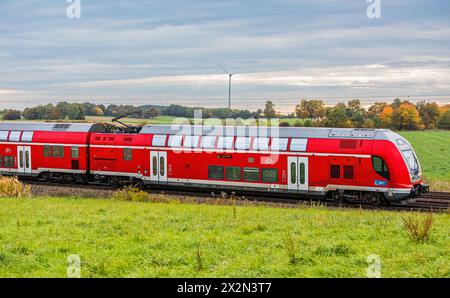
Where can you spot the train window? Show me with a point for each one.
(175, 140)
(191, 141)
(380, 167)
(225, 143)
(1, 161)
(279, 144)
(58, 151)
(215, 172)
(47, 151)
(27, 136)
(159, 140)
(155, 166)
(14, 136)
(269, 175)
(293, 172)
(261, 144)
(209, 142)
(3, 135)
(127, 154)
(21, 159)
(74, 151)
(348, 172)
(302, 173)
(8, 161)
(233, 173)
(299, 144)
(242, 143)
(251, 174)
(162, 169)
(335, 171)
(27, 159)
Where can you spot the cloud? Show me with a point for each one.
(147, 49)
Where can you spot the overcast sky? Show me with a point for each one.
(165, 52)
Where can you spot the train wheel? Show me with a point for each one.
(377, 200)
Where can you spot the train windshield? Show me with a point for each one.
(411, 160)
(409, 156)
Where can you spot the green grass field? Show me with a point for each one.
(130, 239)
(433, 150)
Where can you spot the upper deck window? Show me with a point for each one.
(299, 144)
(209, 142)
(14, 136)
(279, 144)
(261, 144)
(175, 140)
(242, 143)
(3, 135)
(225, 143)
(159, 140)
(190, 141)
(27, 136)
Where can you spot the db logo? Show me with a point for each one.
(8, 150)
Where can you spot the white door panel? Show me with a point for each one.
(20, 160)
(298, 172)
(303, 173)
(158, 166)
(292, 173)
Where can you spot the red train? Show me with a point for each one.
(339, 164)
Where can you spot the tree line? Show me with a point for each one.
(398, 115)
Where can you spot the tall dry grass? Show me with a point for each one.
(11, 187)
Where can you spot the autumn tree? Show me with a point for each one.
(429, 113)
(386, 116)
(408, 117)
(269, 110)
(310, 109)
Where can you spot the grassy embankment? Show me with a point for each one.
(433, 150)
(153, 239)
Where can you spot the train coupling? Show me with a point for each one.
(420, 189)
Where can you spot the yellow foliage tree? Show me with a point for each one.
(408, 117)
(386, 116)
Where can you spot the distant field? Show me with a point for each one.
(433, 150)
(156, 120)
(125, 239)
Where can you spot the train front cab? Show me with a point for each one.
(399, 165)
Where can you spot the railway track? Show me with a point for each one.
(433, 201)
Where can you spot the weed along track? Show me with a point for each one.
(434, 201)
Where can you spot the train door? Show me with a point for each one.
(158, 166)
(24, 159)
(298, 173)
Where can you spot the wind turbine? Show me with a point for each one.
(229, 84)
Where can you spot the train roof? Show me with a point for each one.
(252, 131)
(42, 126)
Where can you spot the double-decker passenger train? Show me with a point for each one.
(372, 165)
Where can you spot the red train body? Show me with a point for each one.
(351, 164)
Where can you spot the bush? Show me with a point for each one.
(12, 115)
(419, 229)
(11, 187)
(131, 194)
